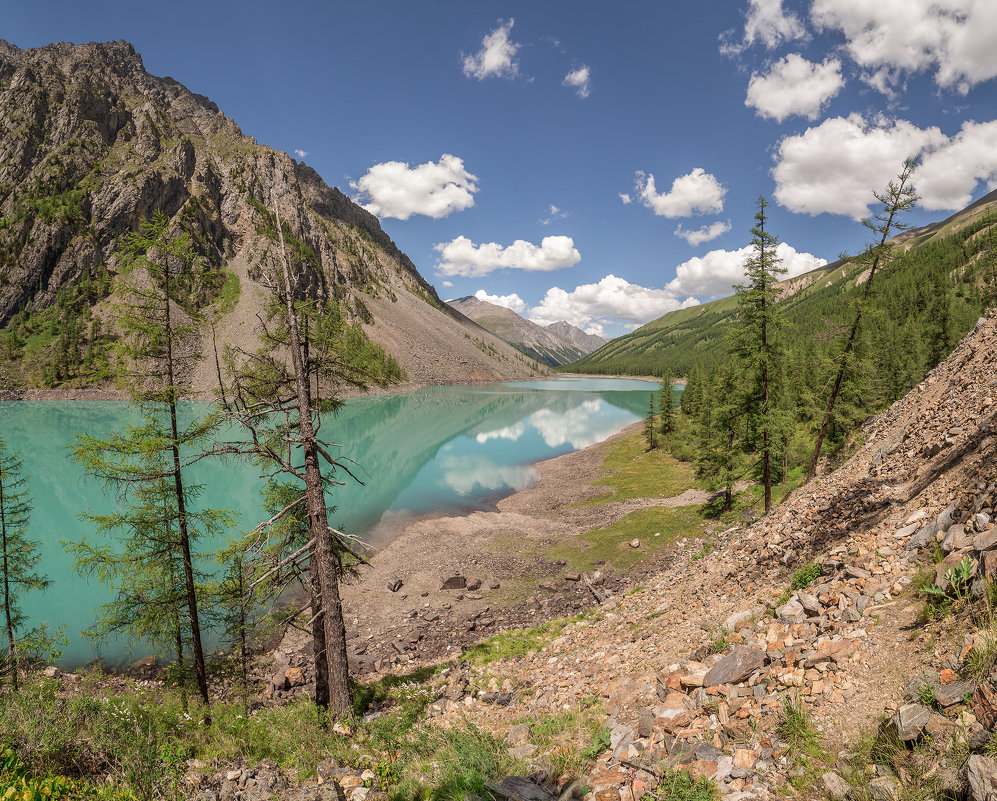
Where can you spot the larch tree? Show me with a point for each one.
(153, 567)
(719, 431)
(899, 198)
(649, 426)
(754, 337)
(666, 405)
(277, 395)
(19, 554)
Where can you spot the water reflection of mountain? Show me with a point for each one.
(392, 438)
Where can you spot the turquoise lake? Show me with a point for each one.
(435, 450)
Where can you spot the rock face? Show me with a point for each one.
(587, 342)
(537, 342)
(91, 143)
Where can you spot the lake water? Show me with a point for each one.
(437, 449)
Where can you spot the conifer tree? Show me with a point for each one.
(159, 525)
(899, 197)
(649, 437)
(754, 340)
(18, 552)
(719, 431)
(666, 404)
(278, 394)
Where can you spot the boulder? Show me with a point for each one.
(455, 583)
(736, 666)
(982, 775)
(883, 789)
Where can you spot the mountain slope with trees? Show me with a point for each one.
(958, 254)
(90, 143)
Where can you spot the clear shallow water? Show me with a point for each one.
(438, 449)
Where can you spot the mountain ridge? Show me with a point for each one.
(543, 343)
(91, 143)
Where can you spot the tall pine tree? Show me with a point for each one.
(147, 462)
(754, 338)
(899, 197)
(666, 404)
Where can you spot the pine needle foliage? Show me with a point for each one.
(19, 554)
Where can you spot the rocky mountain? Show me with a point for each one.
(546, 345)
(587, 342)
(90, 143)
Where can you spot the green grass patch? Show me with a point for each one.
(513, 644)
(805, 750)
(680, 785)
(611, 544)
(630, 471)
(228, 295)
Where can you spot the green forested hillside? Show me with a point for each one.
(927, 298)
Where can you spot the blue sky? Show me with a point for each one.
(583, 161)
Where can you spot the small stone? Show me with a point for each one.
(395, 584)
(518, 735)
(835, 786)
(635, 543)
(454, 583)
(645, 723)
(911, 720)
(474, 584)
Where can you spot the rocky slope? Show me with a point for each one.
(587, 342)
(535, 341)
(696, 669)
(90, 143)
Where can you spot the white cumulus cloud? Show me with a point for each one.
(716, 273)
(890, 38)
(447, 283)
(461, 256)
(627, 200)
(612, 301)
(300, 153)
(497, 56)
(835, 167)
(579, 81)
(513, 301)
(394, 189)
(794, 86)
(696, 192)
(766, 22)
(706, 233)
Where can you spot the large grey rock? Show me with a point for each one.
(883, 789)
(986, 540)
(982, 775)
(736, 666)
(950, 694)
(911, 720)
(810, 603)
(791, 612)
(906, 531)
(517, 788)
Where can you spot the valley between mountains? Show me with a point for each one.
(675, 613)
